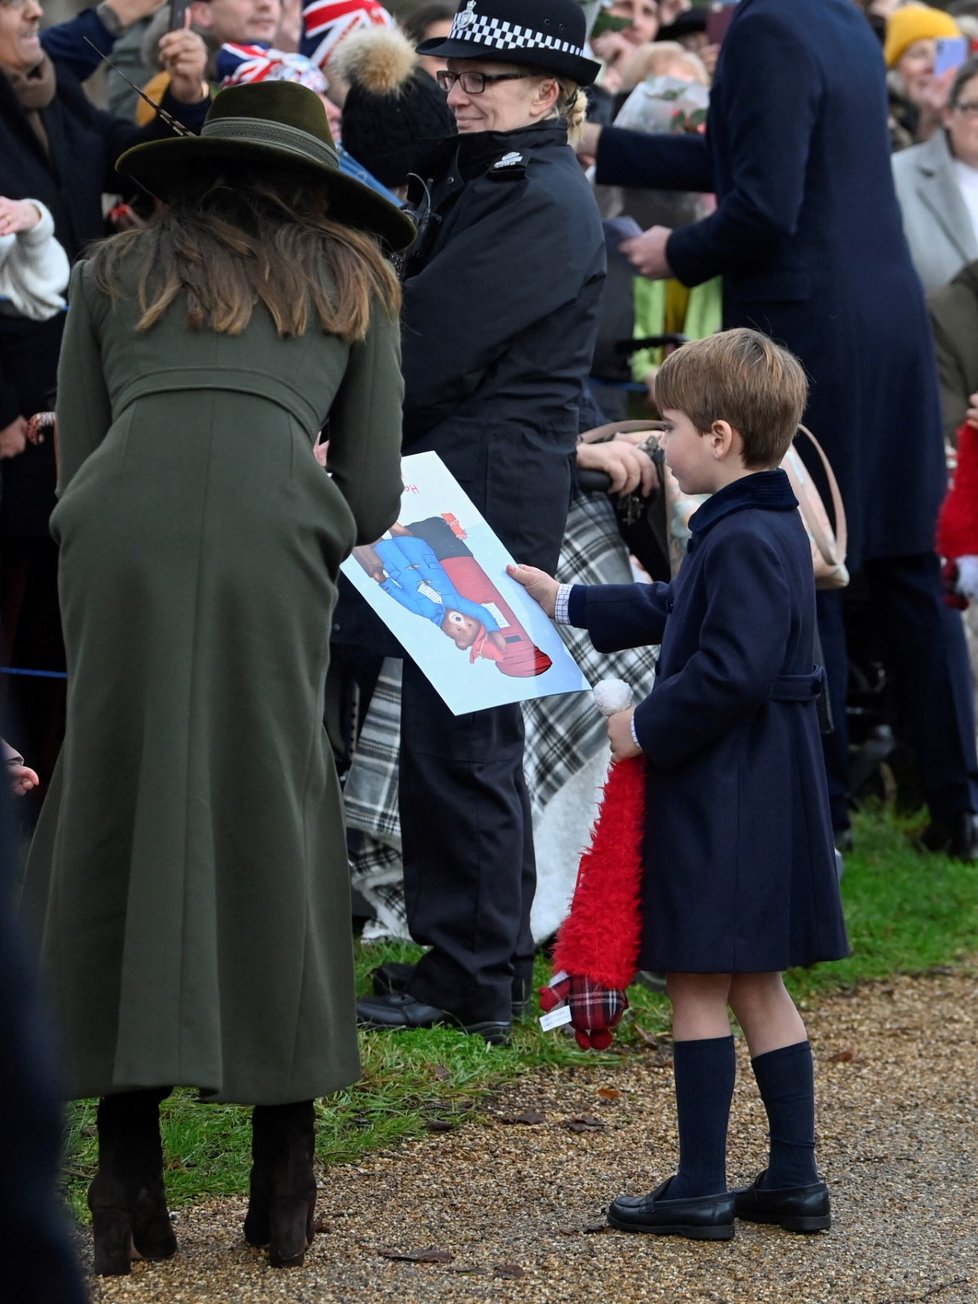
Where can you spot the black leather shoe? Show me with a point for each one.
(400, 1011)
(703, 1218)
(396, 977)
(955, 835)
(795, 1208)
(391, 977)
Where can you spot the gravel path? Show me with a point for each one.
(513, 1210)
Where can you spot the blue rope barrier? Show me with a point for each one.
(39, 674)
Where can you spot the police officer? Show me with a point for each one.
(500, 303)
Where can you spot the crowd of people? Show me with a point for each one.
(280, 247)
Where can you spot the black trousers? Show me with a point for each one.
(924, 649)
(469, 870)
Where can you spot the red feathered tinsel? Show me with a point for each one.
(957, 524)
(600, 937)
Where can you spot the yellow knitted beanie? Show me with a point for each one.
(915, 23)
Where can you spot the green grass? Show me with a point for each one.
(907, 913)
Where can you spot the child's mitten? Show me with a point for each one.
(967, 576)
(953, 597)
(594, 1010)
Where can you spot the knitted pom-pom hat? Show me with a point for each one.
(391, 104)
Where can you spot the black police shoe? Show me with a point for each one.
(400, 1011)
(954, 835)
(395, 976)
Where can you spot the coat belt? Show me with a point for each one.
(235, 380)
(798, 688)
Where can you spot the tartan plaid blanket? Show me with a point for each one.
(565, 760)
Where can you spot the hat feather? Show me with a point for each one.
(381, 60)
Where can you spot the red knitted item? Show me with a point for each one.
(600, 937)
(957, 524)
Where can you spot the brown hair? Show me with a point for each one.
(242, 237)
(742, 377)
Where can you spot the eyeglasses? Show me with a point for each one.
(474, 83)
(968, 107)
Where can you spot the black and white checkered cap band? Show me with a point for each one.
(469, 26)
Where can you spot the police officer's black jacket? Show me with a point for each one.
(500, 312)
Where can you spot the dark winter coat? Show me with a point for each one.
(500, 315)
(808, 238)
(188, 877)
(739, 858)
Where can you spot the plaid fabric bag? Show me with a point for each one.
(594, 1010)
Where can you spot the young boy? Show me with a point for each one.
(740, 880)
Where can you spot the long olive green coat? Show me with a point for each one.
(188, 876)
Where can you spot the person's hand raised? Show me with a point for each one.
(183, 55)
(17, 215)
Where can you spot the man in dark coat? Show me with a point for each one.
(808, 239)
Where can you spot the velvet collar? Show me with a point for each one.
(769, 490)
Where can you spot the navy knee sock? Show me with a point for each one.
(704, 1072)
(787, 1086)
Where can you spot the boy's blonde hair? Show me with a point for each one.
(744, 378)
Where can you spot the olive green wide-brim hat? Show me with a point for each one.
(279, 123)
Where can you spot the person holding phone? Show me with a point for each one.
(917, 88)
(937, 186)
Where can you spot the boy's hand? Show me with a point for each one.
(620, 735)
(972, 414)
(540, 586)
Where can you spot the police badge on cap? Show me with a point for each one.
(544, 34)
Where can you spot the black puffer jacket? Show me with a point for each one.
(500, 312)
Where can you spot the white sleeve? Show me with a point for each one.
(35, 273)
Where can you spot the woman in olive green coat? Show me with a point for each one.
(188, 877)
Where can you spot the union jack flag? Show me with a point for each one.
(238, 65)
(327, 22)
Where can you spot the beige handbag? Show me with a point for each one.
(828, 544)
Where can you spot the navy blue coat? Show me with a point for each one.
(808, 238)
(739, 857)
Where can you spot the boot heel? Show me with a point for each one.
(290, 1221)
(153, 1236)
(112, 1236)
